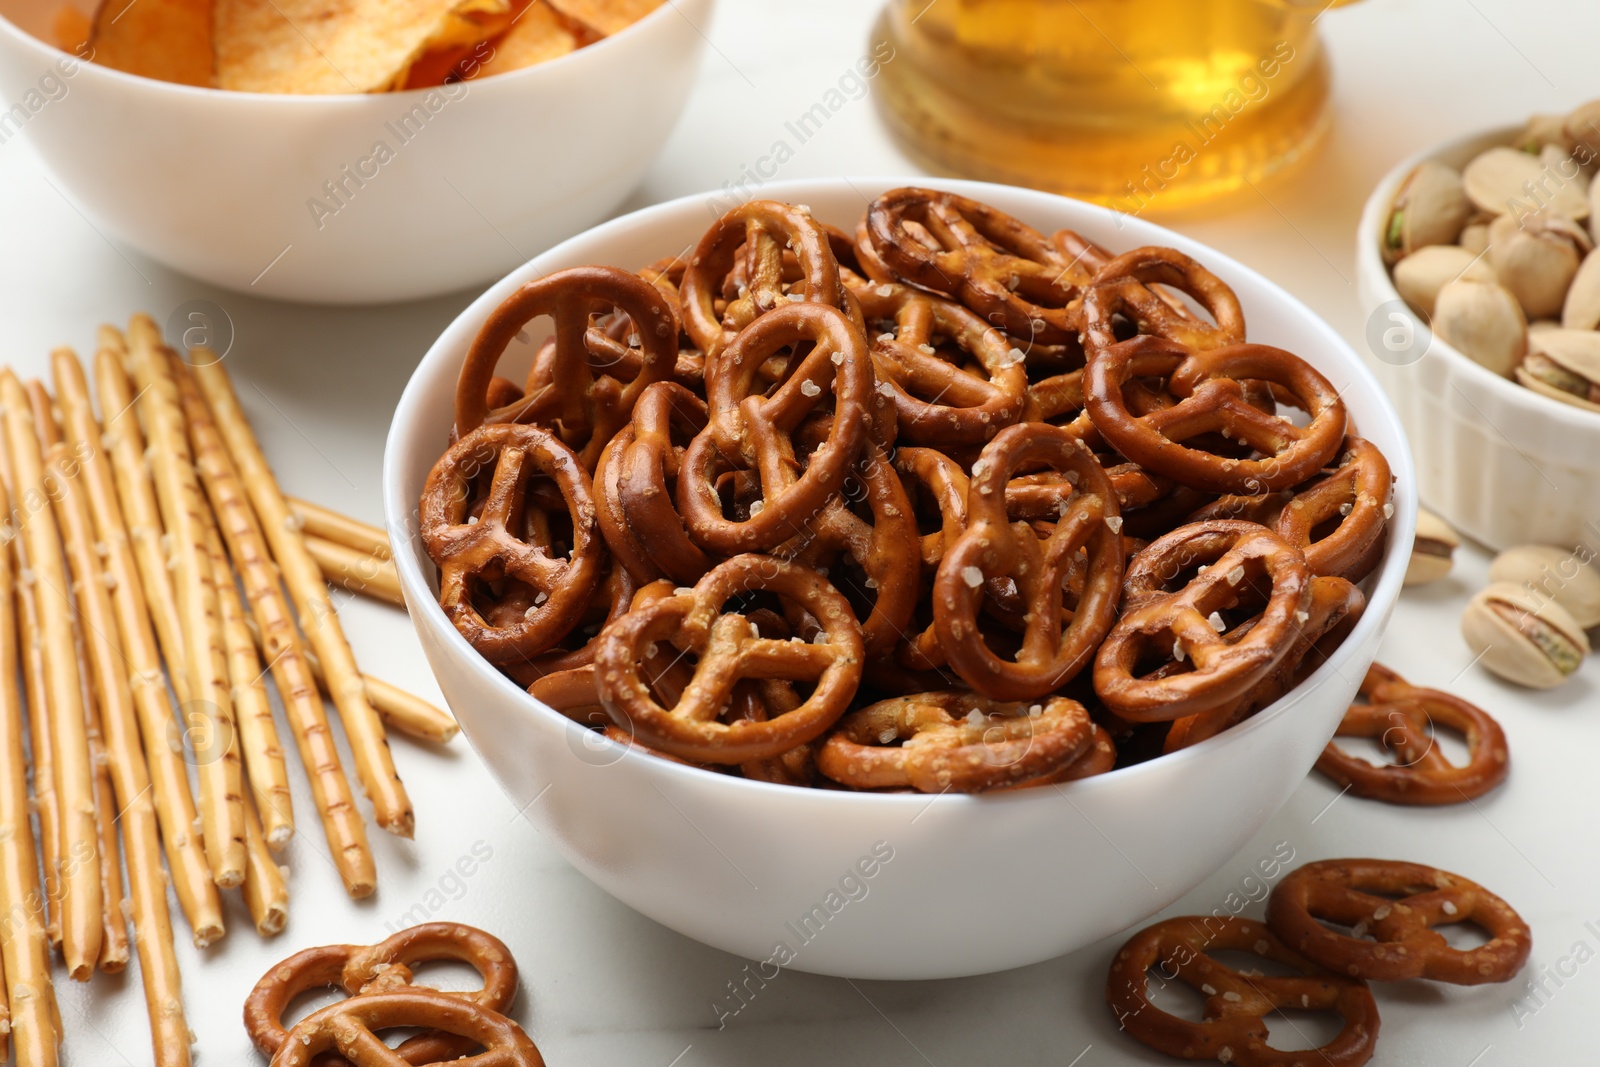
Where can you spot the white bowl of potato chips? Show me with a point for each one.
(346, 151)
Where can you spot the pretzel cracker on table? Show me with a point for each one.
(893, 504)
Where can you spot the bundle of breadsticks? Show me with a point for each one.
(152, 574)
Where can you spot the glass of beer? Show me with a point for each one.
(1139, 104)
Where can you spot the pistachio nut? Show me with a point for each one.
(1581, 311)
(1483, 321)
(1540, 325)
(1475, 238)
(1581, 127)
(1429, 209)
(1541, 130)
(1421, 275)
(1523, 638)
(1535, 257)
(1563, 365)
(1503, 180)
(1560, 574)
(1433, 552)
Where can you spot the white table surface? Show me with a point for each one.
(601, 985)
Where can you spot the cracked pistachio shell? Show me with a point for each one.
(1541, 130)
(1522, 637)
(1419, 277)
(1433, 552)
(1536, 257)
(1482, 321)
(1505, 180)
(1581, 311)
(1562, 574)
(1582, 126)
(1563, 365)
(1429, 209)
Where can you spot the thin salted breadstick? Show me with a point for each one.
(111, 715)
(359, 572)
(374, 763)
(113, 926)
(318, 521)
(282, 647)
(265, 773)
(164, 768)
(209, 708)
(24, 943)
(78, 857)
(266, 890)
(59, 472)
(34, 685)
(407, 713)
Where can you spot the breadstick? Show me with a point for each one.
(60, 479)
(78, 855)
(209, 708)
(34, 685)
(24, 943)
(265, 774)
(281, 644)
(317, 521)
(355, 570)
(112, 712)
(113, 925)
(166, 771)
(407, 713)
(374, 763)
(266, 891)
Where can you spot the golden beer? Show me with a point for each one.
(1141, 104)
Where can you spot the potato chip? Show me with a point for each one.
(165, 39)
(460, 46)
(538, 35)
(606, 17)
(70, 28)
(327, 46)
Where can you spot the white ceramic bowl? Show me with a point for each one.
(976, 883)
(1500, 462)
(221, 185)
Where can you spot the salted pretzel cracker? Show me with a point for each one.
(1392, 908)
(1405, 719)
(753, 429)
(1125, 286)
(45, 570)
(492, 546)
(351, 1028)
(1213, 398)
(358, 571)
(729, 648)
(589, 407)
(133, 607)
(1233, 1025)
(1001, 268)
(762, 230)
(1335, 605)
(364, 971)
(937, 399)
(1359, 494)
(881, 549)
(1235, 555)
(638, 515)
(1058, 640)
(954, 741)
(318, 521)
(313, 608)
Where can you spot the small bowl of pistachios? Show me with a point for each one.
(1478, 266)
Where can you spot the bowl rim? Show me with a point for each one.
(54, 54)
(1369, 258)
(1385, 582)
